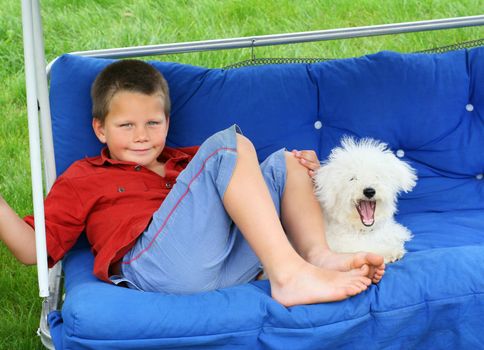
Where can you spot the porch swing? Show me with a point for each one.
(433, 298)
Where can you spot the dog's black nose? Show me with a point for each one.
(369, 192)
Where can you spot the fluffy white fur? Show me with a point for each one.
(357, 221)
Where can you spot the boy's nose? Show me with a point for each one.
(140, 134)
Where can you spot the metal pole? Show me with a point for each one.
(290, 38)
(34, 142)
(43, 96)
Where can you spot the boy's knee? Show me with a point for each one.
(244, 145)
(294, 168)
(292, 163)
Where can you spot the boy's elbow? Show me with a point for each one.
(27, 259)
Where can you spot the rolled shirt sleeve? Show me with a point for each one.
(65, 219)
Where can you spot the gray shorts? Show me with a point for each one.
(192, 245)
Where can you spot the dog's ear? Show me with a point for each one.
(404, 175)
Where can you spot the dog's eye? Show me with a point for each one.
(353, 178)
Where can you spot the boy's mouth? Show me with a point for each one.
(140, 150)
(366, 209)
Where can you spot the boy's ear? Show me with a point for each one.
(98, 128)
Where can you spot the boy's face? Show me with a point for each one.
(135, 128)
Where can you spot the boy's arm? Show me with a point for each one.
(18, 236)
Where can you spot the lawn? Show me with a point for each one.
(73, 25)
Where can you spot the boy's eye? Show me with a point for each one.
(126, 125)
(153, 123)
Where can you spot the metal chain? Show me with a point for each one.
(281, 60)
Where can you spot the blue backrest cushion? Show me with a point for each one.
(417, 104)
(430, 106)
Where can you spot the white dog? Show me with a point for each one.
(358, 187)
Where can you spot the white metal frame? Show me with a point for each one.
(36, 73)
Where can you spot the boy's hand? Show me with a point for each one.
(309, 159)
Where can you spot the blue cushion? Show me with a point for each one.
(430, 107)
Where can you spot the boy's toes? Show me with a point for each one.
(365, 270)
(352, 290)
(378, 275)
(357, 287)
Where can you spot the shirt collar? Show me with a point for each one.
(168, 153)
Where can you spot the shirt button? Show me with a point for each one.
(168, 185)
(137, 168)
(121, 189)
(318, 125)
(469, 107)
(400, 153)
(480, 176)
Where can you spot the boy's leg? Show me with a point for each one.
(302, 220)
(293, 280)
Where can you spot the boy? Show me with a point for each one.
(189, 219)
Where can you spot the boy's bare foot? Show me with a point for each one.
(310, 284)
(349, 261)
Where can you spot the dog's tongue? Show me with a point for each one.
(366, 209)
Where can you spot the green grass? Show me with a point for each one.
(73, 25)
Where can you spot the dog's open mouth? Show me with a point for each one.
(366, 209)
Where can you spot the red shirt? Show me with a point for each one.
(111, 201)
